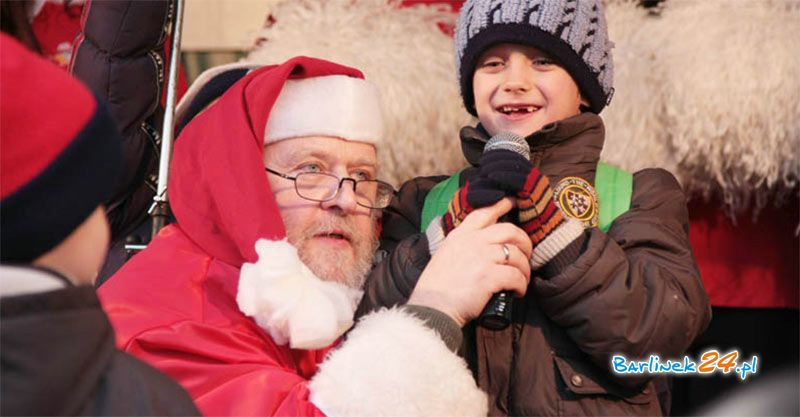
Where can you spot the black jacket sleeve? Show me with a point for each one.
(120, 55)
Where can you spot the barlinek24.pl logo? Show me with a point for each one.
(710, 362)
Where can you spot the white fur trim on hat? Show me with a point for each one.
(333, 105)
(292, 304)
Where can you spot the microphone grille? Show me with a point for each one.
(510, 142)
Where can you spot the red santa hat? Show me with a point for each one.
(61, 153)
(334, 105)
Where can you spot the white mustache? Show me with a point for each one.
(330, 223)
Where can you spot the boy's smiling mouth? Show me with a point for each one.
(517, 109)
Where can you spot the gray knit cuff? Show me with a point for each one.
(565, 258)
(556, 242)
(435, 234)
(440, 322)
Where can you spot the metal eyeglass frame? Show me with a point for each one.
(339, 187)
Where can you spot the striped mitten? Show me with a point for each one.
(538, 214)
(477, 193)
(542, 220)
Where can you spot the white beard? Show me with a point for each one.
(347, 267)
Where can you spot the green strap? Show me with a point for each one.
(614, 188)
(438, 199)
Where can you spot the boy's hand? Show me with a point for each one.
(477, 193)
(507, 169)
(538, 214)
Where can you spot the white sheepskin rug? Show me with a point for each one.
(710, 90)
(404, 52)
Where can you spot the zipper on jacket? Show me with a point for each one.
(536, 158)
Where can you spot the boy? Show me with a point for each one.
(60, 159)
(613, 279)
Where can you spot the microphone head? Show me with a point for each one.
(510, 142)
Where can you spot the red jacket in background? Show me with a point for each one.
(749, 264)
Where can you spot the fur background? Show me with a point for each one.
(404, 52)
(708, 89)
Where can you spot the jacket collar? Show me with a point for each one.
(21, 280)
(59, 339)
(584, 130)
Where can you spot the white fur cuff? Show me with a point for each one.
(291, 303)
(392, 364)
(555, 243)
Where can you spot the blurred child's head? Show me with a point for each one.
(524, 64)
(61, 155)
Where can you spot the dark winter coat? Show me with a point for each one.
(120, 56)
(634, 290)
(58, 358)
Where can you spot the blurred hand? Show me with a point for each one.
(471, 265)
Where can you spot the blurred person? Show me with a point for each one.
(94, 41)
(60, 160)
(121, 51)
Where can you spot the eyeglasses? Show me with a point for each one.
(319, 186)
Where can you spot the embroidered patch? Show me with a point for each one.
(577, 199)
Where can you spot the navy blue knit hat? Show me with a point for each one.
(208, 87)
(61, 154)
(571, 31)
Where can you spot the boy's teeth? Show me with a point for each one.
(508, 109)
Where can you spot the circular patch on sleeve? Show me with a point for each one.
(577, 199)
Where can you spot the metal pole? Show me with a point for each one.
(160, 209)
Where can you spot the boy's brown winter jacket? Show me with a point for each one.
(634, 291)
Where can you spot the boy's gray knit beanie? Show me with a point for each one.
(571, 31)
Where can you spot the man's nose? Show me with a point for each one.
(345, 199)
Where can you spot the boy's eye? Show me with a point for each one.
(543, 61)
(492, 63)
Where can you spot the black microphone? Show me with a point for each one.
(497, 313)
